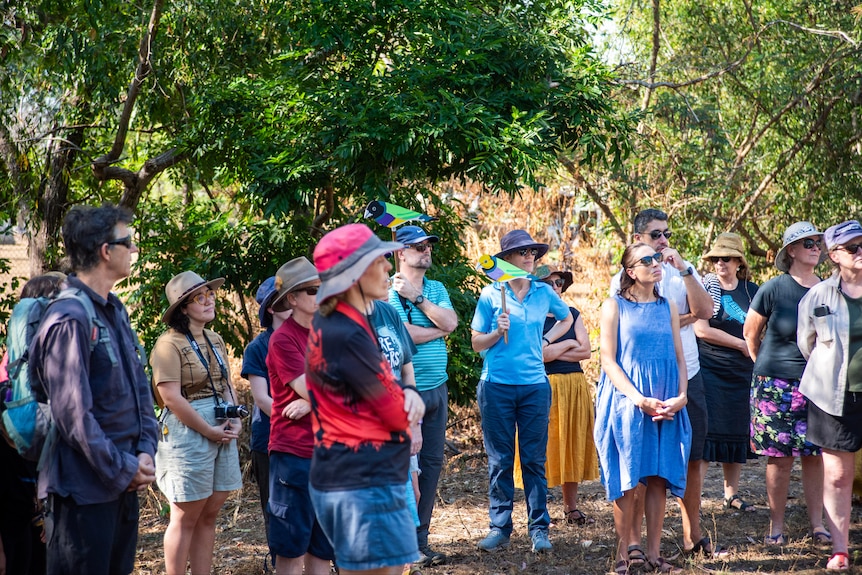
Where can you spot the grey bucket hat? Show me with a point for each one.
(794, 233)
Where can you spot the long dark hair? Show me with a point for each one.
(180, 321)
(47, 285)
(628, 261)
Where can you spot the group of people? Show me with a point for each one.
(351, 403)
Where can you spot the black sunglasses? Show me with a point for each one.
(532, 251)
(725, 259)
(557, 282)
(808, 243)
(656, 234)
(309, 290)
(421, 247)
(126, 241)
(849, 248)
(647, 260)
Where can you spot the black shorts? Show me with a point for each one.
(838, 433)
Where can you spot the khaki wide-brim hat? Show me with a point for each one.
(291, 275)
(181, 286)
(727, 245)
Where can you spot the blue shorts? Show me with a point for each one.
(293, 528)
(369, 528)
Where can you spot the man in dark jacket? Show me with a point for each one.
(100, 401)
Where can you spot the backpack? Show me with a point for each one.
(26, 412)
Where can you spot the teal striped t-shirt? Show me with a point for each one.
(430, 360)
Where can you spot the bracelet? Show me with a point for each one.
(413, 387)
(544, 339)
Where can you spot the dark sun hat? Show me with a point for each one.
(517, 240)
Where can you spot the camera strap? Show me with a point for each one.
(205, 363)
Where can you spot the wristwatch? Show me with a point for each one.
(419, 299)
(686, 272)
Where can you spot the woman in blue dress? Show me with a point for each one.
(642, 431)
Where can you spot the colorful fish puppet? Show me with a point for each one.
(391, 216)
(500, 270)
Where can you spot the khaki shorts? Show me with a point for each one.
(190, 467)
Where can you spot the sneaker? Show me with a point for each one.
(429, 557)
(541, 542)
(493, 541)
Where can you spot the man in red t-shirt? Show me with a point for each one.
(295, 536)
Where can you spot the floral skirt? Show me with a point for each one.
(779, 418)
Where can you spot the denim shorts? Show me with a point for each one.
(293, 528)
(369, 528)
(190, 467)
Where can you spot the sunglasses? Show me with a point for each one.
(808, 243)
(725, 259)
(308, 291)
(532, 251)
(126, 241)
(656, 234)
(849, 248)
(203, 298)
(648, 260)
(421, 247)
(557, 282)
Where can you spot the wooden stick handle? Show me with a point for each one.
(503, 305)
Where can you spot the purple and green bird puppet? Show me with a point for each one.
(391, 216)
(500, 270)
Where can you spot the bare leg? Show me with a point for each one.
(203, 539)
(777, 484)
(731, 479)
(637, 517)
(689, 505)
(812, 487)
(838, 471)
(570, 496)
(317, 566)
(623, 517)
(178, 535)
(656, 498)
(381, 571)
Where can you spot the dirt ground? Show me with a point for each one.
(460, 521)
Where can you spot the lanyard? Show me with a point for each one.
(206, 365)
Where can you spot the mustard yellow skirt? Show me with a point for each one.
(571, 452)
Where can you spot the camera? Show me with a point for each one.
(225, 410)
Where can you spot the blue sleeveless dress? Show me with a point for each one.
(631, 445)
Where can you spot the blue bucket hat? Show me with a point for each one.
(264, 298)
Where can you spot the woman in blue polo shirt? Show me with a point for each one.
(513, 392)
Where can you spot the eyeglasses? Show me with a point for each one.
(647, 260)
(725, 259)
(656, 234)
(204, 297)
(849, 248)
(308, 291)
(126, 241)
(808, 243)
(532, 251)
(422, 247)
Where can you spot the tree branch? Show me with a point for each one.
(593, 194)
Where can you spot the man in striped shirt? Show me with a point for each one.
(426, 310)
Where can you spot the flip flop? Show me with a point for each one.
(821, 536)
(838, 562)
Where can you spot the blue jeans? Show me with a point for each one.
(505, 409)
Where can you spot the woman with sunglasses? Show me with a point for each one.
(830, 337)
(197, 463)
(513, 392)
(571, 452)
(779, 412)
(642, 432)
(725, 364)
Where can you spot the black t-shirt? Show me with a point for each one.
(777, 300)
(560, 365)
(729, 318)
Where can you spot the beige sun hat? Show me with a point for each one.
(181, 286)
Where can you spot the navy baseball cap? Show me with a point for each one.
(264, 297)
(413, 235)
(842, 233)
